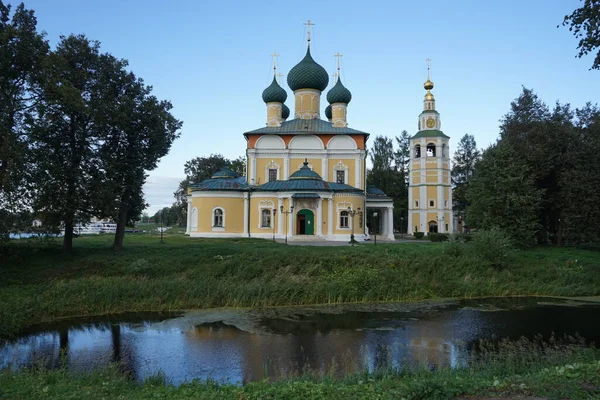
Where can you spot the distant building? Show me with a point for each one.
(430, 190)
(306, 177)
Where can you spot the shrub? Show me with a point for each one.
(464, 237)
(437, 237)
(493, 246)
(454, 247)
(418, 235)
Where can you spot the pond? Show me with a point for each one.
(243, 345)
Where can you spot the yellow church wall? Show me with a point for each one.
(233, 209)
(296, 163)
(431, 216)
(256, 206)
(415, 195)
(261, 169)
(340, 203)
(348, 162)
(416, 178)
(432, 195)
(432, 177)
(416, 221)
(325, 213)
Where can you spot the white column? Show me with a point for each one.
(279, 217)
(253, 170)
(330, 217)
(188, 227)
(246, 210)
(357, 173)
(325, 174)
(390, 218)
(320, 217)
(286, 166)
(291, 219)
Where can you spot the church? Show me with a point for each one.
(306, 176)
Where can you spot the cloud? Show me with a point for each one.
(158, 192)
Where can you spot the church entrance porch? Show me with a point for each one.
(305, 222)
(433, 227)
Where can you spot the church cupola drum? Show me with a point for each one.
(339, 97)
(430, 192)
(274, 97)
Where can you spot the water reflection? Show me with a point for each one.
(287, 342)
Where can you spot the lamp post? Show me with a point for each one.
(273, 222)
(283, 211)
(376, 226)
(352, 213)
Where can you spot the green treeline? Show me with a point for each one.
(78, 131)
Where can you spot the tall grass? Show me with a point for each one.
(38, 283)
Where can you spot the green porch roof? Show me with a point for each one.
(306, 127)
(305, 196)
(430, 133)
(307, 185)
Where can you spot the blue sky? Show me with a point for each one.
(211, 59)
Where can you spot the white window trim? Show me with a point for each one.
(272, 165)
(269, 205)
(212, 220)
(340, 167)
(194, 224)
(429, 203)
(343, 206)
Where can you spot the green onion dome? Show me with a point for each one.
(305, 173)
(307, 74)
(225, 173)
(339, 94)
(274, 93)
(285, 112)
(328, 112)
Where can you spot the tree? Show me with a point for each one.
(63, 135)
(463, 167)
(137, 130)
(584, 22)
(502, 194)
(388, 175)
(22, 51)
(402, 155)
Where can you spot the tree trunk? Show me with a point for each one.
(120, 233)
(68, 238)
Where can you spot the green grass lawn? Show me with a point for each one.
(39, 284)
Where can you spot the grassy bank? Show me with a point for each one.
(518, 369)
(38, 283)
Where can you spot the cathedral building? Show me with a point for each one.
(430, 191)
(305, 176)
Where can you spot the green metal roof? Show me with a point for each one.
(274, 93)
(339, 93)
(430, 112)
(305, 173)
(225, 173)
(285, 111)
(306, 127)
(430, 133)
(305, 196)
(233, 184)
(308, 185)
(374, 191)
(307, 74)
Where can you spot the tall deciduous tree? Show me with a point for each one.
(22, 51)
(463, 167)
(584, 22)
(63, 136)
(502, 194)
(137, 130)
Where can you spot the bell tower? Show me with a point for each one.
(429, 191)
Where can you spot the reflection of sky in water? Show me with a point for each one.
(321, 343)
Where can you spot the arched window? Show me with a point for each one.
(218, 218)
(444, 150)
(344, 219)
(431, 150)
(418, 151)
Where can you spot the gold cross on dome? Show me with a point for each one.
(338, 56)
(274, 55)
(428, 61)
(308, 25)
